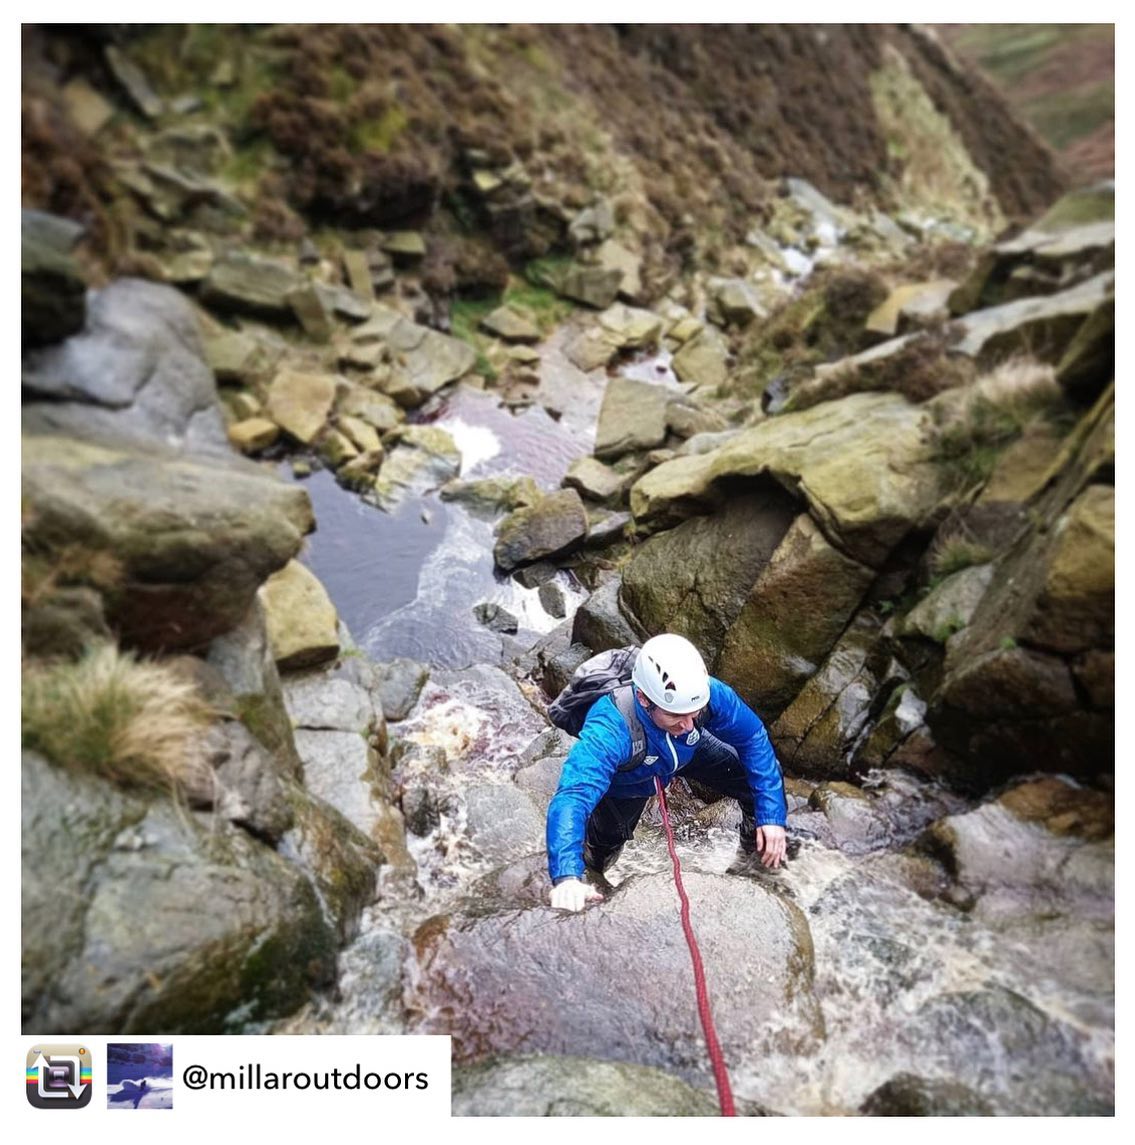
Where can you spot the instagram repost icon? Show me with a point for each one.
(59, 1077)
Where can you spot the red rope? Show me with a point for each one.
(720, 1075)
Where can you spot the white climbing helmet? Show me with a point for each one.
(671, 672)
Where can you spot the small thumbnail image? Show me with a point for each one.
(139, 1075)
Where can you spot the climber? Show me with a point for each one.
(673, 718)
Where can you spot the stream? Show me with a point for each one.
(1006, 1000)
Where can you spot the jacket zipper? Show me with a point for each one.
(673, 753)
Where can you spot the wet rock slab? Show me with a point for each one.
(496, 979)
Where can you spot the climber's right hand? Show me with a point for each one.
(573, 894)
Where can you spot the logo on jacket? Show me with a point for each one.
(650, 759)
(694, 736)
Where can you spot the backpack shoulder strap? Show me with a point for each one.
(624, 700)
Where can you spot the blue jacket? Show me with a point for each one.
(592, 768)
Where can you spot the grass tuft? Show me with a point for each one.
(109, 714)
(957, 552)
(970, 432)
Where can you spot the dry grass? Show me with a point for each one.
(132, 721)
(956, 552)
(974, 426)
(44, 572)
(1020, 390)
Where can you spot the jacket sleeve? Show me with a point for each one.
(604, 743)
(734, 722)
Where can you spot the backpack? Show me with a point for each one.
(608, 671)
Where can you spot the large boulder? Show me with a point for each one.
(503, 822)
(341, 860)
(183, 925)
(695, 579)
(1061, 840)
(553, 525)
(599, 622)
(507, 967)
(977, 1030)
(248, 788)
(136, 375)
(340, 733)
(192, 541)
(864, 466)
(52, 289)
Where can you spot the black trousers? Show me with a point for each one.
(715, 765)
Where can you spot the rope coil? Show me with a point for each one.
(716, 1057)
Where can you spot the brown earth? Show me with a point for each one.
(685, 127)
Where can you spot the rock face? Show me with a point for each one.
(862, 464)
(1072, 242)
(507, 969)
(136, 375)
(339, 736)
(194, 541)
(1075, 609)
(181, 923)
(796, 609)
(695, 579)
(817, 732)
(1044, 628)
